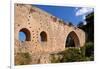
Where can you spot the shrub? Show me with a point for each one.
(85, 53)
(71, 55)
(22, 58)
(54, 58)
(89, 49)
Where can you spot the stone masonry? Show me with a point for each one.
(45, 33)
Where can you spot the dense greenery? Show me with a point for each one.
(89, 50)
(75, 54)
(89, 27)
(22, 58)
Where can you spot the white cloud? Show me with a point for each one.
(84, 17)
(84, 23)
(76, 8)
(83, 11)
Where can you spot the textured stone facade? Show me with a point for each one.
(45, 33)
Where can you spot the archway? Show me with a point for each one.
(72, 40)
(24, 35)
(43, 36)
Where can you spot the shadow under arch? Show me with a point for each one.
(72, 40)
(26, 33)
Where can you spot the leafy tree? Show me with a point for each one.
(89, 51)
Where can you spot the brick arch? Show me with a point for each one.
(72, 39)
(27, 33)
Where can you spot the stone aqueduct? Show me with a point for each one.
(44, 32)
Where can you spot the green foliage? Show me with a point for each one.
(69, 55)
(73, 55)
(89, 50)
(55, 59)
(22, 58)
(85, 53)
(89, 27)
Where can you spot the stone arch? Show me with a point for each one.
(43, 36)
(27, 34)
(72, 40)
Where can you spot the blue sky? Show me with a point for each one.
(22, 36)
(65, 13)
(69, 14)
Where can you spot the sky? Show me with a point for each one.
(22, 36)
(68, 14)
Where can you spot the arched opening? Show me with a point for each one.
(24, 35)
(43, 36)
(72, 40)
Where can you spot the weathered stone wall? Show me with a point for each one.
(36, 21)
